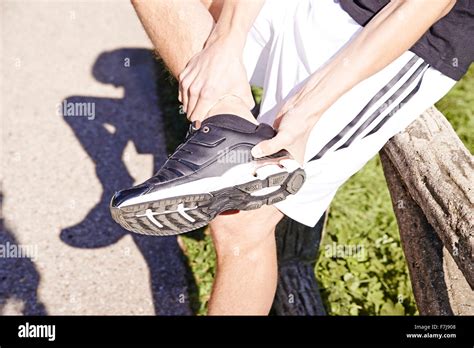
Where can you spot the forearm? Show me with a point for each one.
(235, 20)
(392, 32)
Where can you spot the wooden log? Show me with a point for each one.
(461, 296)
(438, 174)
(421, 245)
(297, 248)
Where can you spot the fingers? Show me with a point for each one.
(295, 145)
(271, 146)
(201, 107)
(193, 97)
(186, 78)
(199, 91)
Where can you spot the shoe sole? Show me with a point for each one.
(181, 214)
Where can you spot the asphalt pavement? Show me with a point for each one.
(79, 120)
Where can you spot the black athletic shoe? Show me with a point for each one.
(211, 172)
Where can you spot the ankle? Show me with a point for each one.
(232, 105)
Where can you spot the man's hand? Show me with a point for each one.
(294, 123)
(295, 120)
(366, 54)
(212, 74)
(218, 71)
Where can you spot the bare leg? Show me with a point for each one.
(179, 30)
(246, 276)
(245, 242)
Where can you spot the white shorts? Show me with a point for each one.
(292, 39)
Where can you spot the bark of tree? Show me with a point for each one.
(430, 175)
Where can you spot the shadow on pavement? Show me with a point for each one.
(19, 278)
(104, 134)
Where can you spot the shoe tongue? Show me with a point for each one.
(231, 121)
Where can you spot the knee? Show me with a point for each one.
(245, 232)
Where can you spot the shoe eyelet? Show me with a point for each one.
(205, 129)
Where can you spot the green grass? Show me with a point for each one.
(375, 280)
(458, 107)
(202, 261)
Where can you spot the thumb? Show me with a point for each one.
(250, 101)
(267, 147)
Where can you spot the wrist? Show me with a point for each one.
(232, 37)
(311, 119)
(304, 114)
(311, 109)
